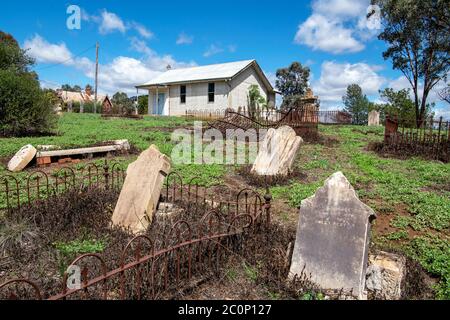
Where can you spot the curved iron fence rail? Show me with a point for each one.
(199, 199)
(295, 116)
(145, 272)
(39, 185)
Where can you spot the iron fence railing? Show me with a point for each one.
(151, 269)
(428, 137)
(39, 185)
(272, 117)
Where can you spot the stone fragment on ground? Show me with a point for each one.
(277, 152)
(124, 145)
(141, 191)
(22, 158)
(385, 274)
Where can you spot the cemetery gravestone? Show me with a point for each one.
(374, 118)
(141, 191)
(277, 152)
(333, 238)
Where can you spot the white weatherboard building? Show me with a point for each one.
(206, 88)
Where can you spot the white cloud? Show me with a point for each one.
(44, 52)
(111, 22)
(142, 30)
(399, 83)
(320, 33)
(212, 50)
(340, 8)
(336, 26)
(403, 83)
(121, 74)
(336, 77)
(140, 46)
(184, 38)
(232, 48)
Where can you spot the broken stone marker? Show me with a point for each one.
(385, 274)
(374, 118)
(140, 193)
(122, 144)
(333, 237)
(277, 152)
(22, 158)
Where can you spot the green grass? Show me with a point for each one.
(434, 255)
(67, 252)
(76, 130)
(413, 193)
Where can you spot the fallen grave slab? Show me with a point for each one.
(44, 156)
(22, 158)
(80, 151)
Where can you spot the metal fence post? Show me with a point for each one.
(267, 206)
(106, 174)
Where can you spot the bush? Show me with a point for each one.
(90, 107)
(24, 108)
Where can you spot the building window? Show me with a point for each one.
(182, 94)
(211, 92)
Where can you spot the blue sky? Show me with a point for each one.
(139, 38)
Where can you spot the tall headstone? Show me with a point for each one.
(333, 238)
(374, 118)
(277, 152)
(141, 191)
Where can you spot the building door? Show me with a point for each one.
(159, 106)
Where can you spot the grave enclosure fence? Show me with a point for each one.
(429, 138)
(39, 185)
(160, 267)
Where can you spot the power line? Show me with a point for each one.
(63, 62)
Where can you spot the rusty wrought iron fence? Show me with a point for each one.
(429, 137)
(263, 118)
(39, 185)
(156, 268)
(198, 199)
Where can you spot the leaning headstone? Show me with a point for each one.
(277, 152)
(22, 158)
(141, 191)
(374, 118)
(333, 237)
(385, 275)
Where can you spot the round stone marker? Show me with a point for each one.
(22, 158)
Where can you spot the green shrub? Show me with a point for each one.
(24, 108)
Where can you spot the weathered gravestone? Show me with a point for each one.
(277, 152)
(333, 238)
(141, 191)
(374, 118)
(22, 158)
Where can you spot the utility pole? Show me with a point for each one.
(96, 75)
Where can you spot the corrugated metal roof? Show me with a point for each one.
(209, 72)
